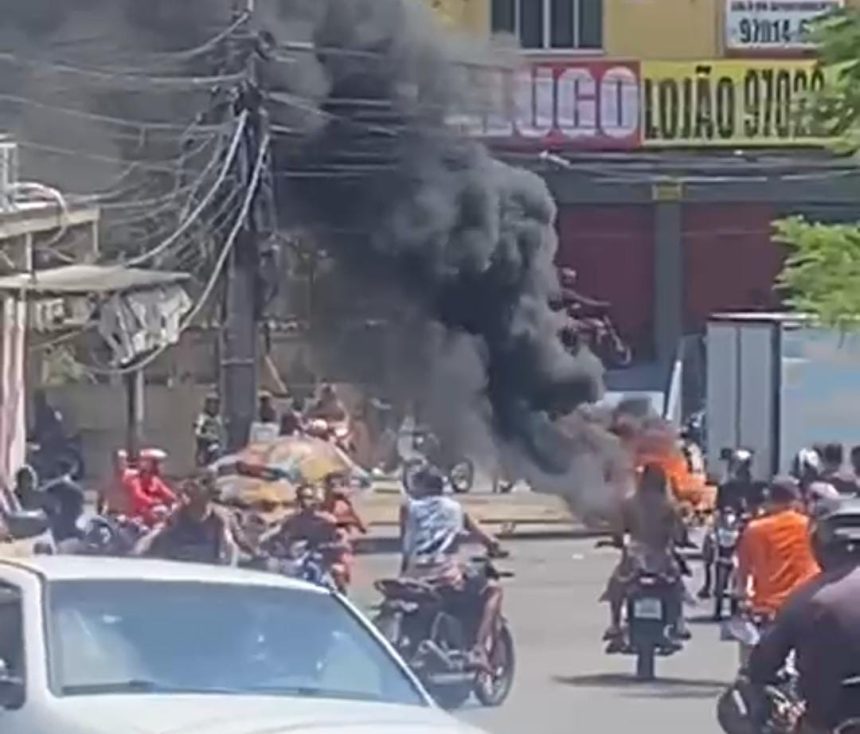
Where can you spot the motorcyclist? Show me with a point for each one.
(195, 531)
(208, 430)
(319, 529)
(61, 499)
(738, 493)
(654, 527)
(833, 459)
(328, 406)
(775, 554)
(431, 528)
(146, 491)
(820, 622)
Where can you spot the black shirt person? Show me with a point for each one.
(820, 622)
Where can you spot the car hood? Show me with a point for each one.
(180, 714)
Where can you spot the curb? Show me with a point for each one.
(370, 545)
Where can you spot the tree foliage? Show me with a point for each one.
(821, 276)
(822, 272)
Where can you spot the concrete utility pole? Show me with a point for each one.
(240, 331)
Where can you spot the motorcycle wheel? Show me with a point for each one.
(450, 636)
(646, 663)
(462, 476)
(492, 689)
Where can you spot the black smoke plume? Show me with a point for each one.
(412, 206)
(360, 93)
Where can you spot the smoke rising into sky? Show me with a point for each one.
(366, 161)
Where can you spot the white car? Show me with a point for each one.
(100, 646)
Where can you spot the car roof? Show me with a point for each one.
(98, 568)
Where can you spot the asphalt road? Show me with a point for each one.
(564, 681)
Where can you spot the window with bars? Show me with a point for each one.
(548, 25)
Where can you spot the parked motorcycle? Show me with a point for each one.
(726, 534)
(435, 628)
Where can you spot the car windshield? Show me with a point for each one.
(143, 637)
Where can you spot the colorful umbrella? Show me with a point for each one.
(296, 459)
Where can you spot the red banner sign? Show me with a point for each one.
(565, 104)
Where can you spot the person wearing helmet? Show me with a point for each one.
(834, 472)
(147, 493)
(820, 622)
(431, 528)
(775, 554)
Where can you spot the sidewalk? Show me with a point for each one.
(521, 515)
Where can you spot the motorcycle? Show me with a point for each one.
(726, 535)
(427, 449)
(777, 708)
(647, 604)
(104, 535)
(434, 630)
(299, 560)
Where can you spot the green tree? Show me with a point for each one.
(821, 275)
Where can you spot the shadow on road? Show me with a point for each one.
(660, 688)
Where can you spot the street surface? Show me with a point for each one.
(565, 684)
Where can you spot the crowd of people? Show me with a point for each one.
(797, 573)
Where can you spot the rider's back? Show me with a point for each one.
(824, 615)
(433, 527)
(778, 553)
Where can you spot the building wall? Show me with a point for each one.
(662, 29)
(612, 250)
(472, 16)
(633, 29)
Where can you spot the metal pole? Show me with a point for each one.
(239, 338)
(134, 384)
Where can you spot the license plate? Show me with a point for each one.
(648, 609)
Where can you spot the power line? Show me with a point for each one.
(225, 169)
(240, 222)
(177, 82)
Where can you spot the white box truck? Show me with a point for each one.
(777, 383)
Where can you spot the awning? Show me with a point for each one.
(85, 280)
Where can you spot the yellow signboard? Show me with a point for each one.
(728, 103)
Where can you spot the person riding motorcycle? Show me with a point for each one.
(775, 554)
(196, 531)
(431, 528)
(147, 493)
(820, 622)
(319, 529)
(654, 527)
(739, 494)
(61, 499)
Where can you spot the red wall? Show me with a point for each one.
(730, 260)
(612, 250)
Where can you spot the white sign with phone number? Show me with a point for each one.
(773, 24)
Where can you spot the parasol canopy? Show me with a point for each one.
(293, 460)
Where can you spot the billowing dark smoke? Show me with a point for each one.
(408, 204)
(361, 95)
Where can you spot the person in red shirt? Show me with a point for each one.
(146, 490)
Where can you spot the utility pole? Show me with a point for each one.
(240, 329)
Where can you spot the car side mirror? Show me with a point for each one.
(11, 689)
(26, 524)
